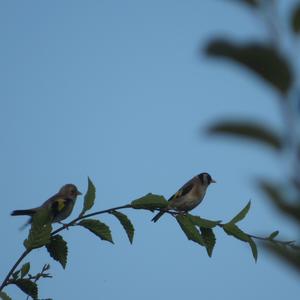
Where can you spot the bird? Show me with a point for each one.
(59, 206)
(189, 195)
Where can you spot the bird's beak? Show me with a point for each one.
(213, 181)
(79, 193)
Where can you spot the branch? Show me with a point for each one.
(267, 239)
(73, 222)
(110, 210)
(6, 280)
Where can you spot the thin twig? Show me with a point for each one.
(72, 223)
(23, 255)
(267, 239)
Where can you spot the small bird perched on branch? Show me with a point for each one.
(59, 206)
(189, 195)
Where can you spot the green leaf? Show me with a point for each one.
(253, 248)
(25, 269)
(98, 228)
(126, 223)
(150, 201)
(89, 197)
(209, 239)
(242, 214)
(273, 235)
(295, 19)
(261, 59)
(4, 296)
(40, 231)
(189, 229)
(58, 249)
(28, 287)
(200, 222)
(249, 130)
(232, 229)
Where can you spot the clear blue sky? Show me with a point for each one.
(117, 90)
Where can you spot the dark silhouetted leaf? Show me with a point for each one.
(25, 269)
(263, 60)
(273, 235)
(273, 192)
(251, 3)
(40, 231)
(126, 223)
(58, 249)
(28, 287)
(89, 197)
(295, 19)
(248, 130)
(291, 257)
(4, 296)
(15, 275)
(150, 201)
(295, 247)
(242, 214)
(200, 222)
(209, 239)
(295, 180)
(189, 229)
(98, 228)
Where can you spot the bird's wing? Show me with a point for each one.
(183, 190)
(58, 205)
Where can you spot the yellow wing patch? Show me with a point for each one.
(61, 203)
(183, 191)
(177, 194)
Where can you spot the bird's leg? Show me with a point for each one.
(182, 213)
(66, 226)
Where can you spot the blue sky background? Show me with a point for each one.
(117, 90)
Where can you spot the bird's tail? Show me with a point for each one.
(157, 216)
(26, 224)
(23, 212)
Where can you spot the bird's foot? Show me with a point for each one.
(66, 226)
(182, 213)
